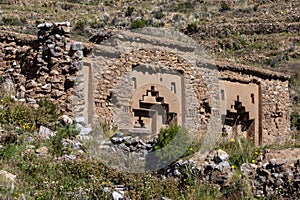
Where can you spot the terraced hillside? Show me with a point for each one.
(263, 33)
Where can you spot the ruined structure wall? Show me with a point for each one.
(122, 86)
(54, 67)
(274, 104)
(275, 111)
(44, 67)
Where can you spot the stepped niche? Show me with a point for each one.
(156, 101)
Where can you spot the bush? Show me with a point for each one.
(172, 143)
(224, 6)
(295, 120)
(138, 23)
(191, 28)
(80, 25)
(28, 118)
(239, 187)
(68, 132)
(185, 7)
(17, 114)
(158, 14)
(47, 115)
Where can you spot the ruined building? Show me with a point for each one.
(145, 80)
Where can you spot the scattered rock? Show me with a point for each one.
(42, 151)
(118, 195)
(6, 179)
(46, 132)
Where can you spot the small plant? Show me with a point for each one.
(80, 25)
(191, 28)
(238, 188)
(129, 11)
(68, 132)
(240, 151)
(108, 129)
(158, 14)
(17, 114)
(14, 21)
(185, 7)
(138, 23)
(172, 143)
(224, 6)
(47, 115)
(295, 120)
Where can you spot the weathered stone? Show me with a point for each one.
(76, 46)
(66, 119)
(118, 195)
(56, 93)
(42, 151)
(220, 156)
(223, 166)
(46, 132)
(272, 162)
(6, 179)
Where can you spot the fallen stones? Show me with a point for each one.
(131, 144)
(220, 156)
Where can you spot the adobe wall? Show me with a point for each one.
(274, 104)
(96, 85)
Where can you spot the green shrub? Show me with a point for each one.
(295, 120)
(80, 25)
(224, 6)
(28, 118)
(17, 114)
(158, 14)
(138, 23)
(68, 132)
(192, 28)
(185, 7)
(74, 1)
(239, 187)
(172, 143)
(47, 115)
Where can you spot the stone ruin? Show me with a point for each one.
(145, 80)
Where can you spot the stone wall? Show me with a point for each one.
(274, 100)
(45, 67)
(96, 85)
(113, 60)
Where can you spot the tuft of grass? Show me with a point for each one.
(240, 151)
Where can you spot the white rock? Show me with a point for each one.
(8, 176)
(66, 119)
(46, 132)
(118, 195)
